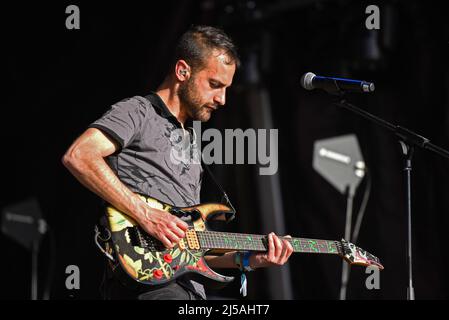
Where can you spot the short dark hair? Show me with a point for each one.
(197, 43)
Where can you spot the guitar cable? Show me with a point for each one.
(108, 237)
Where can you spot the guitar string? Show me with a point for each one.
(212, 238)
(255, 242)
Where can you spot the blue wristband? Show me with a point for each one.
(245, 261)
(242, 262)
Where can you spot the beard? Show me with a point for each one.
(191, 100)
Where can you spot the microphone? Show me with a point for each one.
(310, 81)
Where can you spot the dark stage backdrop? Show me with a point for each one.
(59, 80)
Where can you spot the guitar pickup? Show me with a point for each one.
(178, 212)
(193, 214)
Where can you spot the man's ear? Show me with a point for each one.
(182, 70)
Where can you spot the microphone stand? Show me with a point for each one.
(408, 140)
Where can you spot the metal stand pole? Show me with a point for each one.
(408, 153)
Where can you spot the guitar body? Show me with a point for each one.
(144, 261)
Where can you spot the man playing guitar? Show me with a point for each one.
(126, 153)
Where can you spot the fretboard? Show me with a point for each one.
(254, 242)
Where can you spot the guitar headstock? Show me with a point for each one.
(355, 255)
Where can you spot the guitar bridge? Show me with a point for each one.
(143, 240)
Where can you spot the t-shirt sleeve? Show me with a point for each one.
(123, 121)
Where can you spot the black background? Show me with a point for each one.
(59, 80)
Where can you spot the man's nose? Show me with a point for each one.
(220, 98)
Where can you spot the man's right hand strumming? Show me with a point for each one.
(164, 226)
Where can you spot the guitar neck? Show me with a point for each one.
(253, 242)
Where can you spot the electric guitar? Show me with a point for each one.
(143, 260)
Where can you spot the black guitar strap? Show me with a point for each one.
(231, 215)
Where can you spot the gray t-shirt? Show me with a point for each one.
(149, 160)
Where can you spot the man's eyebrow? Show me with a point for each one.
(221, 84)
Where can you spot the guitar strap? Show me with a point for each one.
(229, 217)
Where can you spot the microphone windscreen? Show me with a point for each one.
(306, 80)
